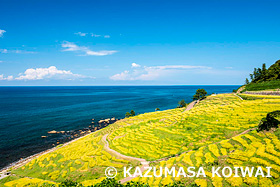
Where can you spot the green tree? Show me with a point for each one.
(263, 74)
(200, 94)
(264, 70)
(127, 114)
(273, 72)
(132, 113)
(182, 103)
(247, 81)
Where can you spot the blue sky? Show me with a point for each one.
(136, 42)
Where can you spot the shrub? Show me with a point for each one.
(127, 114)
(132, 113)
(69, 183)
(182, 104)
(269, 121)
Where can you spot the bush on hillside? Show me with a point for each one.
(270, 121)
(114, 183)
(182, 104)
(132, 113)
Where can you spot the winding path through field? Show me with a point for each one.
(143, 162)
(238, 96)
(191, 105)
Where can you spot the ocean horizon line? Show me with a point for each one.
(119, 85)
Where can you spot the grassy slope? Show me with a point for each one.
(269, 85)
(254, 97)
(160, 134)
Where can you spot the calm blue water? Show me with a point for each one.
(27, 113)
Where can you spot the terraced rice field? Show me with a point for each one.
(207, 135)
(160, 134)
(249, 150)
(83, 160)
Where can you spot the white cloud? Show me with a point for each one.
(16, 51)
(47, 73)
(72, 47)
(22, 52)
(134, 65)
(3, 50)
(69, 46)
(95, 35)
(81, 33)
(152, 72)
(181, 67)
(98, 35)
(2, 32)
(100, 53)
(9, 78)
(126, 75)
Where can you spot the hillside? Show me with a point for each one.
(219, 131)
(273, 85)
(264, 79)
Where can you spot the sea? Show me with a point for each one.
(28, 113)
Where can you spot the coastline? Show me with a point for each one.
(83, 133)
(66, 114)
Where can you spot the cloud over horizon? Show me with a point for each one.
(138, 72)
(44, 73)
(70, 46)
(6, 78)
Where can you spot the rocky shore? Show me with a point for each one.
(63, 137)
(69, 135)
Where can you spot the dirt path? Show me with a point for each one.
(238, 96)
(245, 132)
(3, 175)
(191, 105)
(143, 162)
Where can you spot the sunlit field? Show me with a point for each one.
(219, 131)
(248, 150)
(160, 134)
